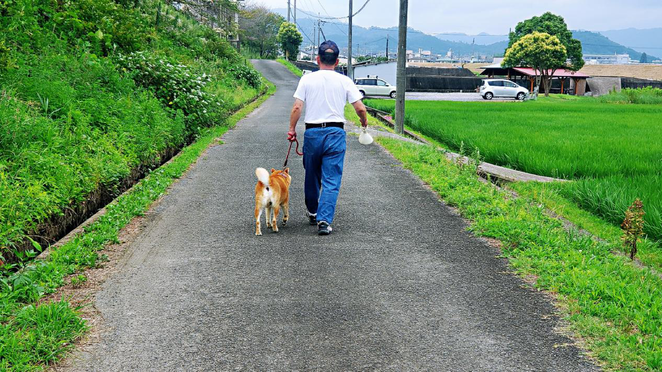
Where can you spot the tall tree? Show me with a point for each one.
(554, 25)
(259, 27)
(644, 58)
(544, 52)
(290, 39)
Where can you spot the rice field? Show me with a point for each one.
(614, 151)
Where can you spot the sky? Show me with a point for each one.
(493, 17)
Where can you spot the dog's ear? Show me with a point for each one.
(272, 170)
(286, 170)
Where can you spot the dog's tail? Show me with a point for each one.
(262, 176)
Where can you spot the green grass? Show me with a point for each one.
(613, 305)
(93, 92)
(645, 96)
(294, 69)
(553, 197)
(33, 335)
(613, 150)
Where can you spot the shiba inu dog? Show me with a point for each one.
(272, 192)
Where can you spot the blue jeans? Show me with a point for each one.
(323, 157)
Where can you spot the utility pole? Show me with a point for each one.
(350, 70)
(289, 11)
(295, 12)
(314, 44)
(386, 47)
(401, 77)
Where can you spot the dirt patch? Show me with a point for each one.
(643, 71)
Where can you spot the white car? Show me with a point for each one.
(372, 86)
(502, 88)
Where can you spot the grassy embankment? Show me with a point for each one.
(615, 306)
(93, 93)
(611, 151)
(611, 303)
(294, 69)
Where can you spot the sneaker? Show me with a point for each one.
(312, 218)
(323, 228)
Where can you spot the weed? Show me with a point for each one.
(633, 227)
(615, 306)
(611, 150)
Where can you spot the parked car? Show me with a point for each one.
(369, 86)
(502, 88)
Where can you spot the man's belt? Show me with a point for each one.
(325, 125)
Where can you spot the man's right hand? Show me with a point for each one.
(291, 136)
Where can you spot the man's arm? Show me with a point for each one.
(294, 118)
(359, 107)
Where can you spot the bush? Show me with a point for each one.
(246, 73)
(176, 86)
(642, 96)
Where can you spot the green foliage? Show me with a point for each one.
(633, 227)
(609, 198)
(37, 335)
(543, 52)
(293, 69)
(259, 28)
(644, 58)
(615, 306)
(554, 25)
(176, 86)
(26, 331)
(290, 39)
(647, 95)
(91, 93)
(246, 73)
(612, 150)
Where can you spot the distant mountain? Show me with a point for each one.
(595, 43)
(648, 41)
(373, 40)
(480, 39)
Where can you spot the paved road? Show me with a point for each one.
(457, 97)
(399, 285)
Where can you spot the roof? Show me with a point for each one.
(528, 71)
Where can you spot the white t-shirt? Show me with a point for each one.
(325, 94)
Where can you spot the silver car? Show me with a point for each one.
(372, 86)
(502, 88)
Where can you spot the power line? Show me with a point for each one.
(335, 18)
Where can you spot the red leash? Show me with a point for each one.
(290, 149)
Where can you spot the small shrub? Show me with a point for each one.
(245, 73)
(176, 86)
(633, 227)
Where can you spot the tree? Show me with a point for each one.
(644, 58)
(290, 39)
(259, 27)
(553, 25)
(543, 52)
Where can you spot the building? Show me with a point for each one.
(607, 59)
(567, 81)
(383, 70)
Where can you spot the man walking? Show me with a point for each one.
(325, 93)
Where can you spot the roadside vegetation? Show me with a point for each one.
(611, 151)
(647, 96)
(294, 69)
(615, 306)
(94, 94)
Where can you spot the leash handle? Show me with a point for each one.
(290, 149)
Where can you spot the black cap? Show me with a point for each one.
(329, 45)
